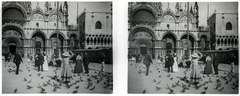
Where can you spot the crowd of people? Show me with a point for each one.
(41, 62)
(191, 63)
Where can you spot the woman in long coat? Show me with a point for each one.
(78, 67)
(66, 74)
(195, 74)
(208, 66)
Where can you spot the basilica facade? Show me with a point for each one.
(33, 30)
(159, 31)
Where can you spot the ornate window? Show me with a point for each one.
(98, 25)
(228, 26)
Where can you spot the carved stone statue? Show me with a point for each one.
(65, 8)
(46, 6)
(177, 7)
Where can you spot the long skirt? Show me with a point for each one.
(66, 74)
(208, 68)
(78, 67)
(195, 75)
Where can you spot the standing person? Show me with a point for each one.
(208, 66)
(166, 60)
(86, 62)
(170, 63)
(137, 56)
(36, 60)
(66, 74)
(158, 59)
(195, 74)
(147, 61)
(17, 60)
(175, 64)
(58, 63)
(215, 63)
(232, 61)
(78, 67)
(45, 64)
(102, 59)
(40, 62)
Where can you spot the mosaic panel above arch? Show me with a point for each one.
(184, 19)
(54, 18)
(11, 33)
(37, 17)
(142, 35)
(168, 18)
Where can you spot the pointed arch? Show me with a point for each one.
(228, 26)
(98, 25)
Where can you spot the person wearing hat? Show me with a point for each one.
(66, 73)
(17, 60)
(147, 61)
(195, 74)
(79, 66)
(208, 66)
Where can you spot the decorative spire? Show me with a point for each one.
(60, 9)
(37, 4)
(180, 7)
(177, 7)
(168, 4)
(185, 7)
(191, 11)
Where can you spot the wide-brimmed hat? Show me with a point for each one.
(66, 54)
(195, 55)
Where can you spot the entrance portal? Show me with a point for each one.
(169, 47)
(143, 49)
(12, 47)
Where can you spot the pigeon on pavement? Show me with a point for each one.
(15, 90)
(144, 91)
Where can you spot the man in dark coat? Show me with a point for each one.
(170, 63)
(86, 62)
(215, 63)
(17, 60)
(40, 62)
(167, 60)
(147, 61)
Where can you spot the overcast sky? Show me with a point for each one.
(219, 6)
(72, 8)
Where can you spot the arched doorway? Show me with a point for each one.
(170, 43)
(188, 44)
(39, 39)
(12, 47)
(11, 40)
(54, 44)
(143, 49)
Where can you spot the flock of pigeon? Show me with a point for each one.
(49, 82)
(180, 82)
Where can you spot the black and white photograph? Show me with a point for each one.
(52, 47)
(183, 48)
